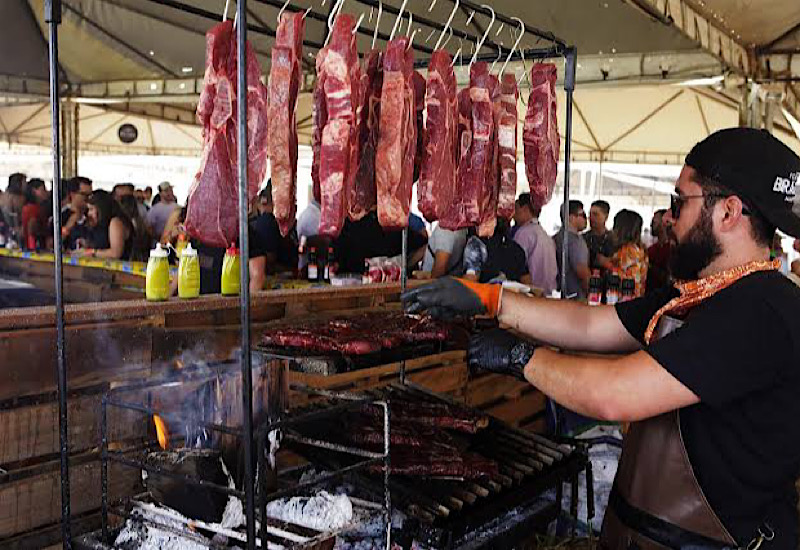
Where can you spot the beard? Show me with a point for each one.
(699, 248)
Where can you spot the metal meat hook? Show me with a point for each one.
(447, 25)
(485, 34)
(398, 18)
(514, 47)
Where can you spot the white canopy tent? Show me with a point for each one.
(654, 76)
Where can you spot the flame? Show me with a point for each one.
(161, 431)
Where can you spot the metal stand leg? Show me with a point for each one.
(244, 274)
(52, 16)
(104, 467)
(569, 87)
(403, 286)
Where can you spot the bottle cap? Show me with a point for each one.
(189, 252)
(232, 250)
(158, 252)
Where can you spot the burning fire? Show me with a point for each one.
(161, 431)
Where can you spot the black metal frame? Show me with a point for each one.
(52, 13)
(261, 497)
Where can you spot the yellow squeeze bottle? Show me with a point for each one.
(230, 271)
(181, 245)
(188, 273)
(157, 276)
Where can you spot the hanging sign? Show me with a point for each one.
(127, 133)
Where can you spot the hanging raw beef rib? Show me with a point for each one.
(363, 196)
(540, 134)
(212, 211)
(436, 190)
(397, 142)
(507, 143)
(339, 74)
(491, 182)
(284, 85)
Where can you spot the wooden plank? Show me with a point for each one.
(487, 388)
(450, 378)
(32, 431)
(95, 353)
(34, 502)
(517, 410)
(19, 318)
(349, 378)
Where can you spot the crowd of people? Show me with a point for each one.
(126, 223)
(123, 224)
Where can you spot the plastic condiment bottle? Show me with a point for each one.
(181, 244)
(230, 271)
(157, 276)
(188, 273)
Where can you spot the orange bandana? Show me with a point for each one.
(694, 292)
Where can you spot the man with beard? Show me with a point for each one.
(707, 371)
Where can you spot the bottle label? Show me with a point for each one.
(312, 272)
(327, 273)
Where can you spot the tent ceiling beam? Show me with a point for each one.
(175, 24)
(644, 120)
(129, 47)
(586, 123)
(768, 48)
(48, 126)
(704, 32)
(106, 129)
(28, 118)
(187, 134)
(702, 114)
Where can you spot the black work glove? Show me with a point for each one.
(499, 351)
(448, 297)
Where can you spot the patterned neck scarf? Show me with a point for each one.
(694, 292)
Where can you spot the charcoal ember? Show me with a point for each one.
(190, 500)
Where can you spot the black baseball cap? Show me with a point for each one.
(757, 167)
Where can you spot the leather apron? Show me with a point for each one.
(656, 502)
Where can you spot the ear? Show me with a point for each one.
(730, 212)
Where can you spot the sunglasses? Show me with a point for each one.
(676, 203)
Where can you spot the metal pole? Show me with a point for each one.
(104, 468)
(244, 274)
(569, 87)
(52, 16)
(403, 286)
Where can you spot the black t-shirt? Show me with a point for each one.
(367, 239)
(598, 245)
(266, 238)
(504, 256)
(739, 352)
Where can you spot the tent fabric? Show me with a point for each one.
(108, 41)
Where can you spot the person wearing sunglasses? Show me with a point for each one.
(578, 272)
(706, 371)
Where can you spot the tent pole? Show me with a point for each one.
(52, 16)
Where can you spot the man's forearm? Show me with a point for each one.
(623, 388)
(565, 324)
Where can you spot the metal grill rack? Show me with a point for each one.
(136, 458)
